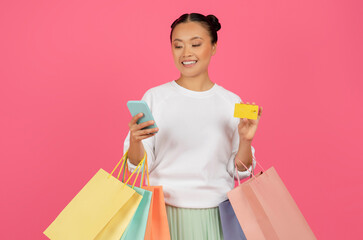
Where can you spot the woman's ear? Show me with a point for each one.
(214, 49)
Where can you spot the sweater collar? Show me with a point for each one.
(192, 93)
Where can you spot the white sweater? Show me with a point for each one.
(192, 155)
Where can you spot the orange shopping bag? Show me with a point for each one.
(157, 227)
(266, 210)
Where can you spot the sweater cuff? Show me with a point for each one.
(150, 159)
(246, 173)
(131, 166)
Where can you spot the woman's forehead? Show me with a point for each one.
(189, 31)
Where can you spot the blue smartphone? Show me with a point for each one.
(136, 107)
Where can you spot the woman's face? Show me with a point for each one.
(192, 48)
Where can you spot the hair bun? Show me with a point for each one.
(214, 21)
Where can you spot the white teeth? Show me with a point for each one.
(189, 62)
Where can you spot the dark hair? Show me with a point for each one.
(210, 22)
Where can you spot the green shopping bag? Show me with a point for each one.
(136, 228)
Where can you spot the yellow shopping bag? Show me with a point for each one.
(101, 210)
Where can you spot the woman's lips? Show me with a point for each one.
(189, 63)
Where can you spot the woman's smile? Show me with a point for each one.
(190, 63)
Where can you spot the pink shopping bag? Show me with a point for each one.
(266, 210)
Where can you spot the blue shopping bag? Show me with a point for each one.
(137, 226)
(231, 228)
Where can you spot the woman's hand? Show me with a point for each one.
(247, 127)
(136, 130)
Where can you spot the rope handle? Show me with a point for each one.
(252, 172)
(124, 160)
(145, 169)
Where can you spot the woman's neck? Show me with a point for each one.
(198, 84)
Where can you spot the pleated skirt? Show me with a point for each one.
(194, 224)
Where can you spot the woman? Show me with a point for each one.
(199, 142)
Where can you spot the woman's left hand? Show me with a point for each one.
(248, 127)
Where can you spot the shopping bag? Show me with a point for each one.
(101, 210)
(157, 227)
(230, 226)
(266, 210)
(136, 228)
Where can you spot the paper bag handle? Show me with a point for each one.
(145, 168)
(124, 160)
(252, 172)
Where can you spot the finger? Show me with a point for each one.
(247, 102)
(137, 135)
(260, 112)
(253, 103)
(146, 131)
(143, 125)
(146, 136)
(243, 121)
(240, 123)
(135, 118)
(136, 127)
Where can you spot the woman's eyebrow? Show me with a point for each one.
(177, 39)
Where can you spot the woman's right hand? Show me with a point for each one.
(136, 130)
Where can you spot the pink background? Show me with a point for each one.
(69, 67)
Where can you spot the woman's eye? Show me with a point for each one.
(177, 46)
(196, 45)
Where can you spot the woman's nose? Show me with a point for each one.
(187, 52)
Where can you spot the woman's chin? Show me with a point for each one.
(190, 75)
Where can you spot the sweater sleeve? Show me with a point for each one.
(149, 143)
(231, 166)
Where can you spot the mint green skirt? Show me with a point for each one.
(194, 224)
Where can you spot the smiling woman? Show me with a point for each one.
(193, 155)
(192, 49)
(194, 41)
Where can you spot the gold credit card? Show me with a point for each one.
(242, 110)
